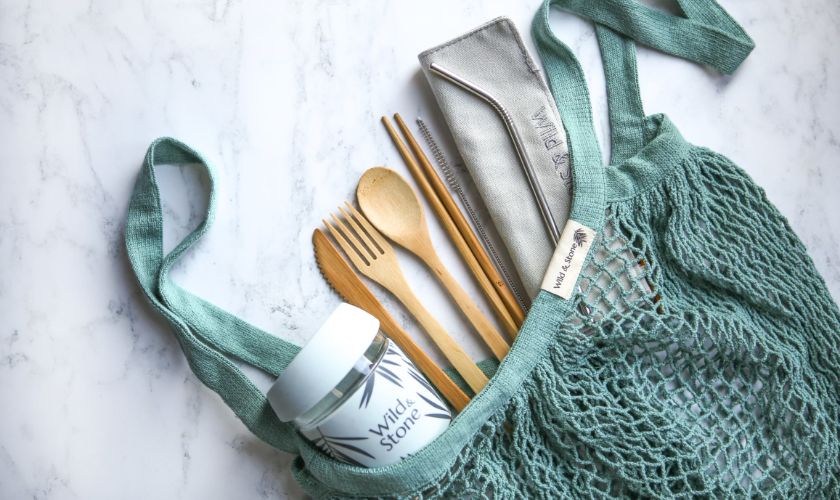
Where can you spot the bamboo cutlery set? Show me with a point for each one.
(390, 210)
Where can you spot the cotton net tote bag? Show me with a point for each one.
(684, 345)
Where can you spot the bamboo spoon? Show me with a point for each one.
(347, 283)
(452, 230)
(464, 228)
(376, 259)
(392, 206)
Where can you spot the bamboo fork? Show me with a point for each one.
(484, 282)
(463, 226)
(350, 287)
(375, 258)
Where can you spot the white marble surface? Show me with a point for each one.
(96, 400)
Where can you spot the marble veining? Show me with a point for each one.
(284, 98)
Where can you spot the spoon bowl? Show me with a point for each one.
(391, 205)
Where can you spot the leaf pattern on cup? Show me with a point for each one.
(401, 380)
(434, 400)
(337, 447)
(442, 411)
(416, 375)
(382, 371)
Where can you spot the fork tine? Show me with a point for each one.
(356, 239)
(349, 249)
(374, 234)
(370, 245)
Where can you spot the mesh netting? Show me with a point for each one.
(704, 362)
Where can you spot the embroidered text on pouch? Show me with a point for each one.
(550, 137)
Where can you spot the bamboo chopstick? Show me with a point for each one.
(464, 228)
(452, 230)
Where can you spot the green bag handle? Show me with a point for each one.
(210, 337)
(707, 35)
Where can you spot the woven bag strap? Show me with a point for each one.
(210, 337)
(706, 35)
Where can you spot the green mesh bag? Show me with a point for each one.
(696, 356)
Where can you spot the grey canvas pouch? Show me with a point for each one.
(494, 57)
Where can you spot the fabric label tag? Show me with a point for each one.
(568, 258)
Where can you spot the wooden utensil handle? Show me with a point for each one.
(488, 332)
(499, 308)
(439, 379)
(477, 250)
(460, 360)
(487, 287)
